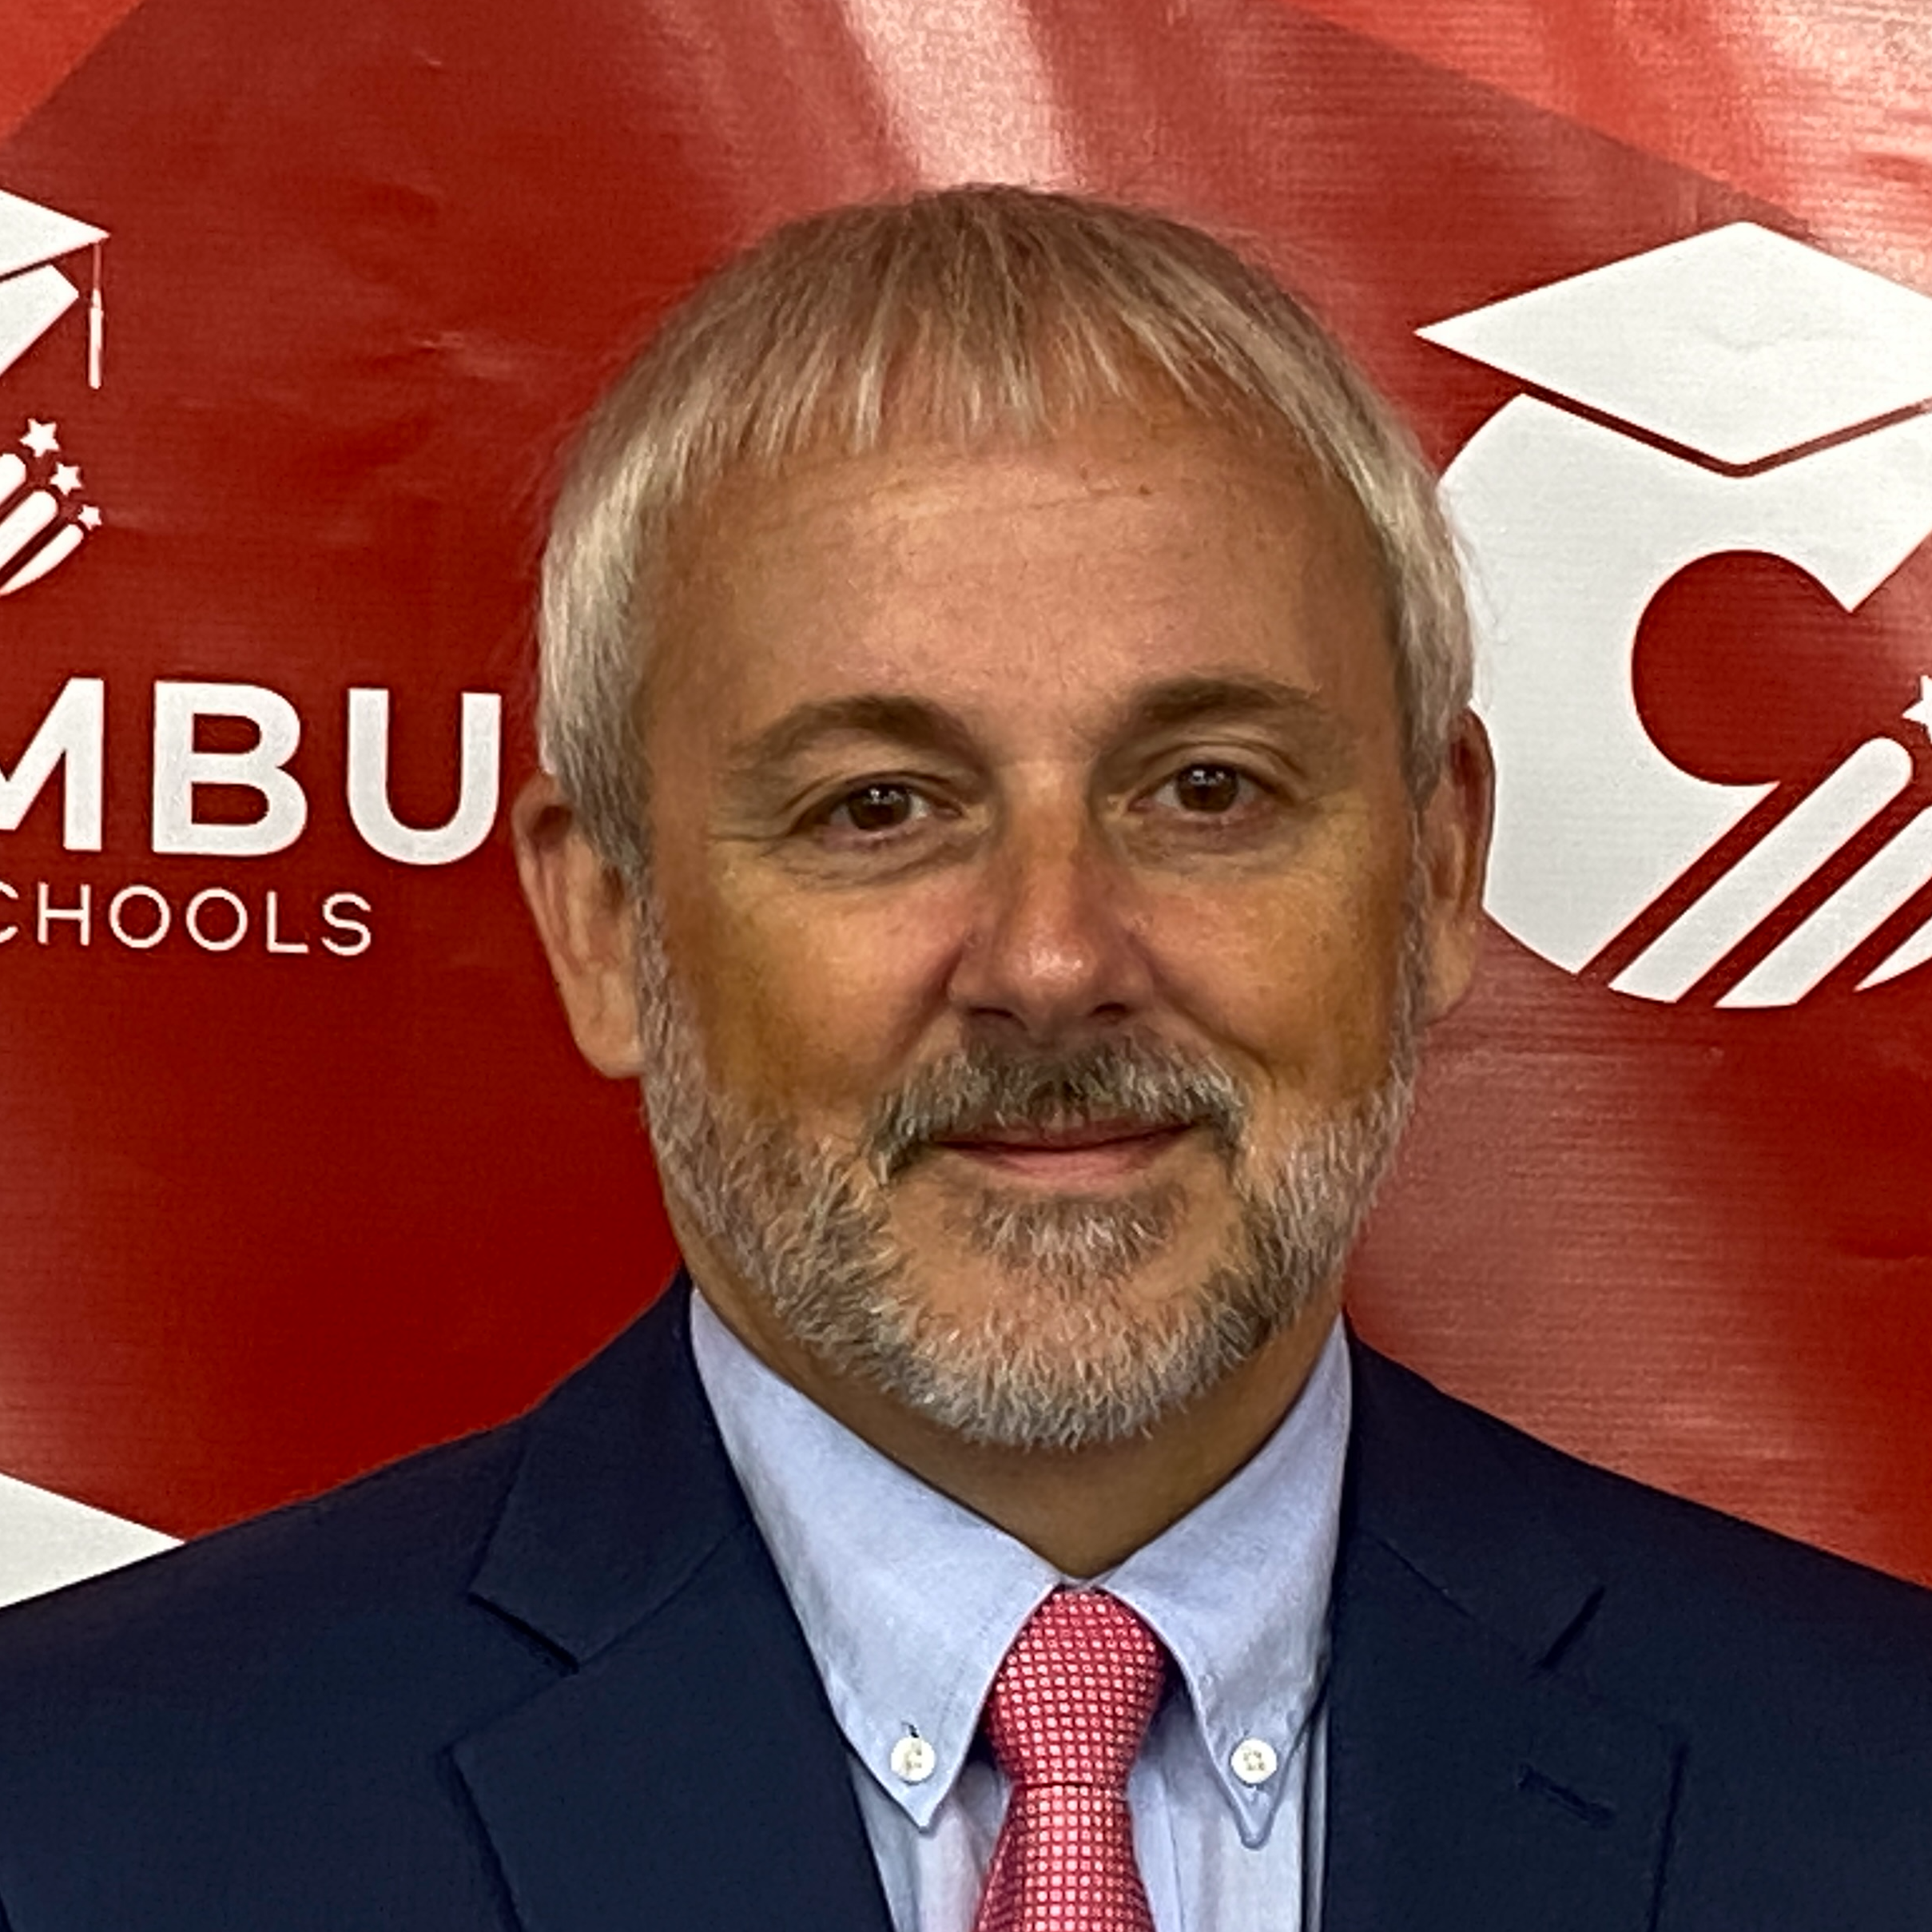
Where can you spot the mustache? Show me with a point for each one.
(984, 1087)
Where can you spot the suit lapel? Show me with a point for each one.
(684, 1767)
(684, 1770)
(1471, 1782)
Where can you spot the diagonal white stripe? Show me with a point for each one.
(1914, 952)
(1884, 882)
(1767, 875)
(966, 88)
(47, 1541)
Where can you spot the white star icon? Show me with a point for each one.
(1920, 713)
(90, 516)
(40, 438)
(67, 478)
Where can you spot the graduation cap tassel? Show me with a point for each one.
(97, 325)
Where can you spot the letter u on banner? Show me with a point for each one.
(476, 792)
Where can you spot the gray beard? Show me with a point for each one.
(1061, 1356)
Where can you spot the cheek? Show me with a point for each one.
(811, 1005)
(1298, 985)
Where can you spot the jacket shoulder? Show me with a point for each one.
(238, 1732)
(414, 1523)
(1685, 1606)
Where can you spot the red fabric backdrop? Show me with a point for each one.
(273, 1216)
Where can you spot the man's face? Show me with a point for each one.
(1038, 927)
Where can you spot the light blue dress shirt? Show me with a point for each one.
(909, 1601)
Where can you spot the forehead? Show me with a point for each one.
(1053, 576)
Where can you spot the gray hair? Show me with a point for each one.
(962, 315)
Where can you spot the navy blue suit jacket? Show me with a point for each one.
(546, 1679)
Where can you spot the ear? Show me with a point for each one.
(1455, 835)
(588, 921)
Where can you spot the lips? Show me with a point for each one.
(1049, 1140)
(1091, 1153)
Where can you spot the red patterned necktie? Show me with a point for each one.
(1065, 1718)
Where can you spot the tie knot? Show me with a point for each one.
(1073, 1697)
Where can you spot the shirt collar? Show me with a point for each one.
(1239, 1591)
(909, 1601)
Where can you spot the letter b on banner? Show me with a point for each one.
(180, 767)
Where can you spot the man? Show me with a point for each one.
(1012, 803)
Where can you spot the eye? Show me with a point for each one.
(877, 808)
(1207, 790)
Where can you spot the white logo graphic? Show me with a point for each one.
(43, 519)
(1782, 380)
(44, 516)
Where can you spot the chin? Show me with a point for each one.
(1060, 1322)
(1055, 1366)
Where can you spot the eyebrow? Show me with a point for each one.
(1188, 700)
(914, 721)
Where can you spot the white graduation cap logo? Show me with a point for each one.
(1734, 392)
(1739, 344)
(33, 293)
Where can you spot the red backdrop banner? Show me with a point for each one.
(297, 306)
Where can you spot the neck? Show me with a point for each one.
(1082, 1510)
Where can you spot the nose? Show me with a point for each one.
(1052, 947)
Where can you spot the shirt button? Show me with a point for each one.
(1253, 1761)
(913, 1760)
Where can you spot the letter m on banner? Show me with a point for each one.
(73, 733)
